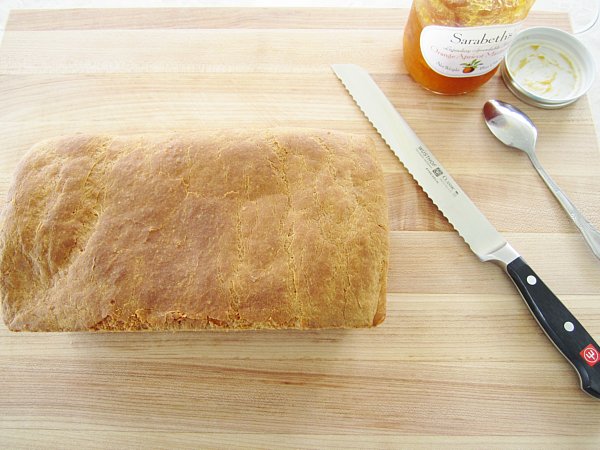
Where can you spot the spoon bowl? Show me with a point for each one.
(510, 125)
(513, 128)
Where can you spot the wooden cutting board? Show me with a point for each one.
(459, 359)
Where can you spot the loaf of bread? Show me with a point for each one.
(279, 228)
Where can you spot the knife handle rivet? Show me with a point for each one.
(569, 326)
(531, 280)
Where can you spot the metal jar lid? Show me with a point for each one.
(548, 68)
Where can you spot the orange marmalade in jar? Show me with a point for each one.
(455, 46)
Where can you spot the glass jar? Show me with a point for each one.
(455, 46)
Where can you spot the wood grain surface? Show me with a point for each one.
(459, 360)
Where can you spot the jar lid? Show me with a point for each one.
(548, 68)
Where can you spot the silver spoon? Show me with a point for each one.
(512, 127)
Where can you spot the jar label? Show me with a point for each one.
(461, 52)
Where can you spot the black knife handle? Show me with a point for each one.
(563, 329)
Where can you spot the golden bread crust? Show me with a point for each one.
(280, 228)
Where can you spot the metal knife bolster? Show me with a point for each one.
(561, 327)
(502, 256)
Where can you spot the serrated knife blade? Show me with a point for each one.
(437, 183)
(561, 327)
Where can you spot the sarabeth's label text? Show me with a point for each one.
(465, 51)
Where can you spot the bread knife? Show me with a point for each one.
(559, 324)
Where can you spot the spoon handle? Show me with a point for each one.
(590, 234)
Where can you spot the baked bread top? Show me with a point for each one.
(235, 229)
